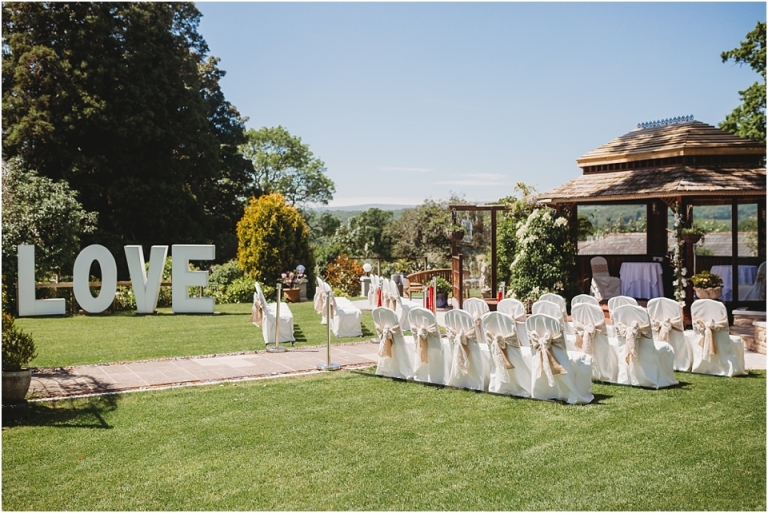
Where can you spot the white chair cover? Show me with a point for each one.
(667, 326)
(618, 301)
(476, 307)
(433, 353)
(557, 373)
(560, 302)
(372, 291)
(510, 371)
(266, 318)
(592, 338)
(604, 286)
(318, 301)
(346, 318)
(399, 305)
(396, 351)
(553, 310)
(471, 364)
(583, 298)
(516, 310)
(714, 350)
(645, 362)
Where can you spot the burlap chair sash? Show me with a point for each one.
(706, 330)
(257, 310)
(324, 305)
(499, 343)
(662, 329)
(421, 335)
(631, 333)
(585, 335)
(543, 344)
(460, 339)
(387, 336)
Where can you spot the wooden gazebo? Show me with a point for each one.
(661, 164)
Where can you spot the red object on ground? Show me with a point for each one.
(430, 305)
(498, 296)
(378, 298)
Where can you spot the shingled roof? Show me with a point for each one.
(674, 140)
(681, 159)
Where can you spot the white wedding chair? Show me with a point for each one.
(396, 351)
(372, 291)
(604, 286)
(715, 351)
(645, 363)
(592, 339)
(433, 354)
(471, 363)
(477, 308)
(516, 310)
(402, 306)
(560, 302)
(583, 298)
(263, 315)
(510, 362)
(618, 301)
(667, 326)
(557, 373)
(346, 318)
(553, 310)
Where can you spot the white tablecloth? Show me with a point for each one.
(641, 280)
(747, 275)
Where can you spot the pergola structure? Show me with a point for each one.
(662, 164)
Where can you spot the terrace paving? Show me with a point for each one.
(173, 372)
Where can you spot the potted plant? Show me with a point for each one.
(442, 289)
(707, 285)
(455, 232)
(290, 281)
(691, 235)
(18, 351)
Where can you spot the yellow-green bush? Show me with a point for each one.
(273, 238)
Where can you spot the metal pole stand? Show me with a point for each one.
(277, 348)
(328, 366)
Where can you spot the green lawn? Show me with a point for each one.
(125, 336)
(345, 441)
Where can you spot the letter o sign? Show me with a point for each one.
(81, 274)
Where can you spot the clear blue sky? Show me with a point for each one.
(404, 101)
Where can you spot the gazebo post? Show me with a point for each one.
(734, 253)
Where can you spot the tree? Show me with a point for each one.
(748, 119)
(520, 207)
(420, 232)
(368, 235)
(273, 239)
(119, 100)
(45, 213)
(282, 163)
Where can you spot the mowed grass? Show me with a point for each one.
(345, 441)
(125, 336)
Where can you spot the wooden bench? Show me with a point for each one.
(417, 280)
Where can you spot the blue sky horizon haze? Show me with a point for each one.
(407, 101)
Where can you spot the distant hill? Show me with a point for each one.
(363, 208)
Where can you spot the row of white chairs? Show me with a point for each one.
(346, 318)
(495, 361)
(694, 350)
(263, 315)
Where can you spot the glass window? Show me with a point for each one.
(613, 229)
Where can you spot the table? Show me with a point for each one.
(747, 275)
(641, 280)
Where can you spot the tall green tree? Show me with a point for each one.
(282, 163)
(368, 234)
(748, 119)
(421, 232)
(119, 100)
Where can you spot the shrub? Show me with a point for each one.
(18, 347)
(706, 280)
(545, 257)
(443, 286)
(272, 237)
(225, 274)
(344, 274)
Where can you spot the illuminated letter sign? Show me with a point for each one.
(183, 278)
(81, 277)
(28, 305)
(146, 290)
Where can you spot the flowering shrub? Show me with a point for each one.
(706, 280)
(291, 278)
(678, 271)
(545, 257)
(344, 274)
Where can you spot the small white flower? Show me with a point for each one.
(684, 271)
(682, 294)
(561, 221)
(674, 283)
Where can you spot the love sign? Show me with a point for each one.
(146, 286)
